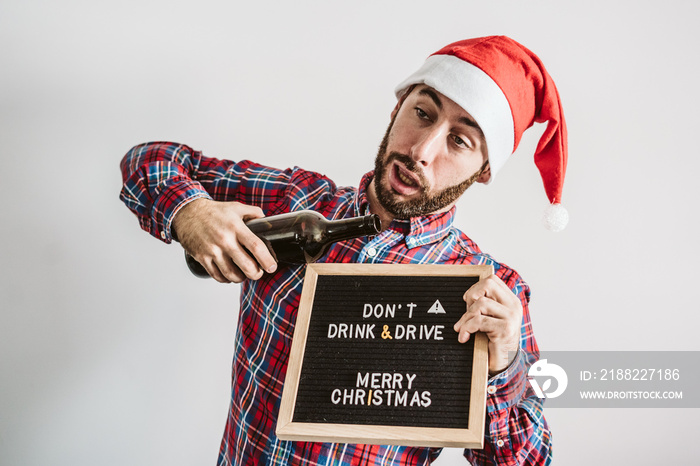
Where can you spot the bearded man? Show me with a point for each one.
(457, 120)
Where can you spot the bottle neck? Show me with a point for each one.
(339, 230)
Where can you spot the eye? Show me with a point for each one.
(421, 114)
(461, 142)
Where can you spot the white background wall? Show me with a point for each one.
(112, 354)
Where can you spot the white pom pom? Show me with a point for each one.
(555, 217)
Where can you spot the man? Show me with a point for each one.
(457, 120)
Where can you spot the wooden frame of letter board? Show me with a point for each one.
(472, 437)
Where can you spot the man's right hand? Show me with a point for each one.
(215, 234)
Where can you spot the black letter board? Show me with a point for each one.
(375, 358)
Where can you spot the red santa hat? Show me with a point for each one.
(506, 89)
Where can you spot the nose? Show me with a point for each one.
(428, 146)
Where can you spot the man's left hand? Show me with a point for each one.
(492, 308)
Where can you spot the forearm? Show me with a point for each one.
(162, 177)
(159, 179)
(163, 180)
(516, 430)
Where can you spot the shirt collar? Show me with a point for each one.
(418, 231)
(362, 201)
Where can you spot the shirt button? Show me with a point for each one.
(411, 241)
(500, 442)
(491, 389)
(162, 234)
(371, 252)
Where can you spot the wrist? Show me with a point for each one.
(183, 214)
(507, 361)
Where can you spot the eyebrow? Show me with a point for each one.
(430, 93)
(438, 103)
(469, 122)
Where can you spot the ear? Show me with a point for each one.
(396, 108)
(485, 175)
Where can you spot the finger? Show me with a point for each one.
(463, 326)
(498, 290)
(464, 331)
(494, 288)
(234, 260)
(474, 293)
(496, 330)
(240, 261)
(485, 306)
(230, 270)
(249, 212)
(490, 307)
(255, 253)
(258, 249)
(468, 324)
(214, 272)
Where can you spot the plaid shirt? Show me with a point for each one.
(160, 178)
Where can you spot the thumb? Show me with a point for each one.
(248, 212)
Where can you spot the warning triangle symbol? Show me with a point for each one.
(437, 308)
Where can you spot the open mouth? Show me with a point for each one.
(404, 181)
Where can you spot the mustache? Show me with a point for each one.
(410, 164)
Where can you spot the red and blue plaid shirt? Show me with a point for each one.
(160, 178)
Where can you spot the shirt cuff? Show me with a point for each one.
(172, 197)
(506, 388)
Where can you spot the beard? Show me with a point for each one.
(427, 202)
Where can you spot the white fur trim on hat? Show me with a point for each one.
(474, 91)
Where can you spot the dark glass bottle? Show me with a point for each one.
(301, 237)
